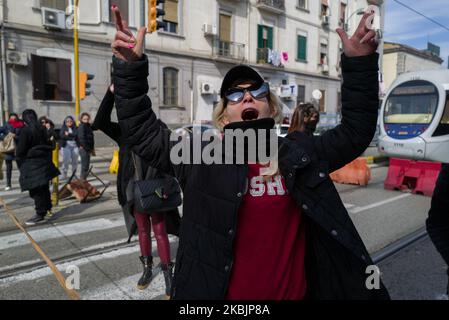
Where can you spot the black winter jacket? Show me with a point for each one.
(336, 258)
(86, 137)
(125, 174)
(438, 221)
(34, 157)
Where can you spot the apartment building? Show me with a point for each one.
(292, 43)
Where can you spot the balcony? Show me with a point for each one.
(274, 6)
(268, 56)
(262, 55)
(228, 50)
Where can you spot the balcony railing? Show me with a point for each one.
(262, 55)
(275, 6)
(228, 50)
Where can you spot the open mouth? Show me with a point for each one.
(250, 114)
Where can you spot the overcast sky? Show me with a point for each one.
(406, 27)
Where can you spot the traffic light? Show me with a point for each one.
(84, 84)
(153, 14)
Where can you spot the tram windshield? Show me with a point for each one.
(410, 108)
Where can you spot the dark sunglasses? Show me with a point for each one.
(259, 92)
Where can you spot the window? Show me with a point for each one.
(443, 127)
(302, 4)
(301, 98)
(55, 4)
(170, 83)
(302, 48)
(124, 9)
(225, 27)
(324, 8)
(265, 37)
(171, 18)
(342, 14)
(323, 101)
(52, 78)
(323, 53)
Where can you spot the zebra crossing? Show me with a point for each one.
(110, 273)
(91, 238)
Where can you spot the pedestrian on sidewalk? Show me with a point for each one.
(34, 156)
(50, 128)
(162, 223)
(437, 222)
(255, 234)
(86, 144)
(305, 119)
(12, 128)
(69, 144)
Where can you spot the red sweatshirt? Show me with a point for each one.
(269, 247)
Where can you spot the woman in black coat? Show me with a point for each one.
(34, 156)
(13, 126)
(296, 236)
(163, 223)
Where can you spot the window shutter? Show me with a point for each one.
(260, 36)
(38, 76)
(302, 48)
(225, 28)
(64, 80)
(171, 11)
(270, 38)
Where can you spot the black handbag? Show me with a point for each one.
(155, 195)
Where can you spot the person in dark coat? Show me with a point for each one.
(305, 119)
(437, 222)
(50, 128)
(163, 223)
(69, 145)
(86, 143)
(13, 126)
(34, 156)
(243, 236)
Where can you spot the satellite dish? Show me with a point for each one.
(317, 95)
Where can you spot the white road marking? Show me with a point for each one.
(125, 289)
(100, 246)
(348, 205)
(39, 235)
(380, 203)
(45, 271)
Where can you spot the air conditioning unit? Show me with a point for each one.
(325, 20)
(207, 88)
(53, 19)
(209, 30)
(16, 58)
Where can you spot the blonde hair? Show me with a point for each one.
(273, 101)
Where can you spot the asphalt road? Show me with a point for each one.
(93, 238)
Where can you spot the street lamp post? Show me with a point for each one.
(76, 53)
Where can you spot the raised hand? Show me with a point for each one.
(363, 42)
(125, 46)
